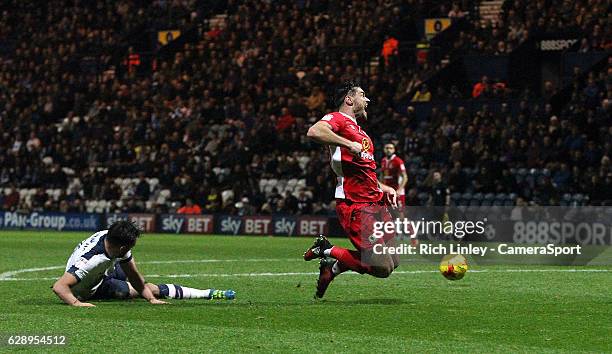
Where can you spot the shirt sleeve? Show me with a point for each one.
(336, 122)
(401, 165)
(81, 268)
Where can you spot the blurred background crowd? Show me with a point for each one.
(92, 119)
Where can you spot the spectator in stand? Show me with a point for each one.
(189, 208)
(11, 200)
(455, 13)
(389, 52)
(482, 88)
(143, 189)
(422, 95)
(207, 118)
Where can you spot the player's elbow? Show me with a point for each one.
(312, 132)
(57, 288)
(315, 132)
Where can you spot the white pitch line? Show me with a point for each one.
(8, 275)
(225, 275)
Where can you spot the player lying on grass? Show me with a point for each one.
(359, 194)
(100, 267)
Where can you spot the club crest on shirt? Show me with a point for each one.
(365, 144)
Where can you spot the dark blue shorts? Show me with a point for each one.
(114, 286)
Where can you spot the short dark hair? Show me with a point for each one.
(123, 233)
(343, 90)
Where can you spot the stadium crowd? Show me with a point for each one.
(521, 19)
(231, 110)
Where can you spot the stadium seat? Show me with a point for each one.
(93, 205)
(227, 195)
(262, 184)
(502, 196)
(282, 184)
(165, 193)
(578, 199)
(153, 183)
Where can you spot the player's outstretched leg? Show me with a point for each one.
(326, 275)
(174, 291)
(320, 245)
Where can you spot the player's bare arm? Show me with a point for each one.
(137, 281)
(403, 181)
(62, 289)
(322, 133)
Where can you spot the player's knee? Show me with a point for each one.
(121, 293)
(120, 290)
(382, 271)
(396, 262)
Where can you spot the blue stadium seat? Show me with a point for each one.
(455, 196)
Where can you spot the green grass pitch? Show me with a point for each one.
(493, 309)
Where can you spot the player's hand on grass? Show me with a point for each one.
(158, 302)
(83, 304)
(355, 148)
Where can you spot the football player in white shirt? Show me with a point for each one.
(102, 267)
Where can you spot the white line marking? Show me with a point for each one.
(403, 272)
(8, 275)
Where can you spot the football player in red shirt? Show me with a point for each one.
(394, 173)
(359, 194)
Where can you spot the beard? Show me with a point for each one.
(361, 114)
